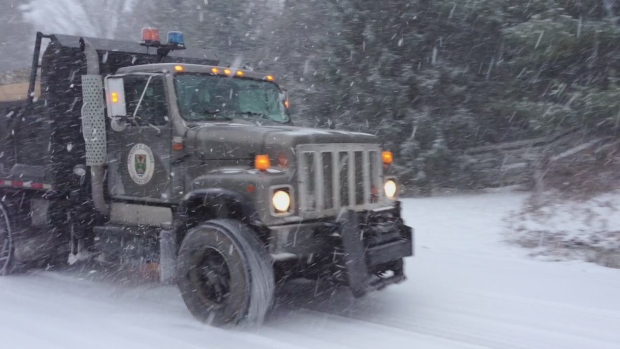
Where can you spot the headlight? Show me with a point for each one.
(281, 201)
(390, 188)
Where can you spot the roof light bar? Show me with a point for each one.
(175, 38)
(150, 35)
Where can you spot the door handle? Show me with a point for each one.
(181, 159)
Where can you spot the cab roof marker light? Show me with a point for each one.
(269, 78)
(215, 70)
(179, 68)
(240, 73)
(227, 71)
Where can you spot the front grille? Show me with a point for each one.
(336, 176)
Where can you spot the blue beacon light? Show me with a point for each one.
(176, 38)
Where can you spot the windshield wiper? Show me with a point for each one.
(261, 115)
(217, 113)
(251, 113)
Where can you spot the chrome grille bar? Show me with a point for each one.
(335, 180)
(320, 183)
(352, 183)
(321, 188)
(366, 168)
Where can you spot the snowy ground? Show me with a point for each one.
(466, 289)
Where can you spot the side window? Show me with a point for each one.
(153, 109)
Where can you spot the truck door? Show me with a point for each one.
(140, 165)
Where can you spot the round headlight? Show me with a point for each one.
(390, 188)
(281, 201)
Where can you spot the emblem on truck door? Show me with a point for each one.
(141, 163)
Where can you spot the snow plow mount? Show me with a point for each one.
(366, 266)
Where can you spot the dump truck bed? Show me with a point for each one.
(17, 92)
(20, 164)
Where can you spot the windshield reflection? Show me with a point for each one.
(203, 97)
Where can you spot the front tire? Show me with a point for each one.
(225, 274)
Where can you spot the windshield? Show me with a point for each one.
(204, 97)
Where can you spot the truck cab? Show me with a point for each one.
(196, 168)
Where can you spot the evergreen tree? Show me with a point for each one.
(431, 78)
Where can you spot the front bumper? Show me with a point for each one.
(366, 264)
(363, 250)
(382, 254)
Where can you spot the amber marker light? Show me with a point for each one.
(215, 70)
(262, 162)
(388, 158)
(179, 68)
(240, 73)
(114, 97)
(227, 71)
(269, 78)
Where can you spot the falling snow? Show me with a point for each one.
(501, 116)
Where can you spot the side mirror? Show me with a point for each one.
(115, 101)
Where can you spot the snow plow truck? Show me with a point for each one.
(156, 154)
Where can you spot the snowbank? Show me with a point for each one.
(557, 228)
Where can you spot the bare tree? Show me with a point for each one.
(98, 18)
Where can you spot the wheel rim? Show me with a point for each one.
(212, 277)
(6, 244)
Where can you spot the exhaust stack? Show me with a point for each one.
(93, 124)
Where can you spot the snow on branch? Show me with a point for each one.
(97, 18)
(577, 149)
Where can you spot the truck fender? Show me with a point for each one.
(205, 204)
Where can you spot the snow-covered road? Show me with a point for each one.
(466, 289)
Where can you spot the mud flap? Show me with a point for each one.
(354, 254)
(167, 257)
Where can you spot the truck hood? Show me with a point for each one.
(241, 141)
